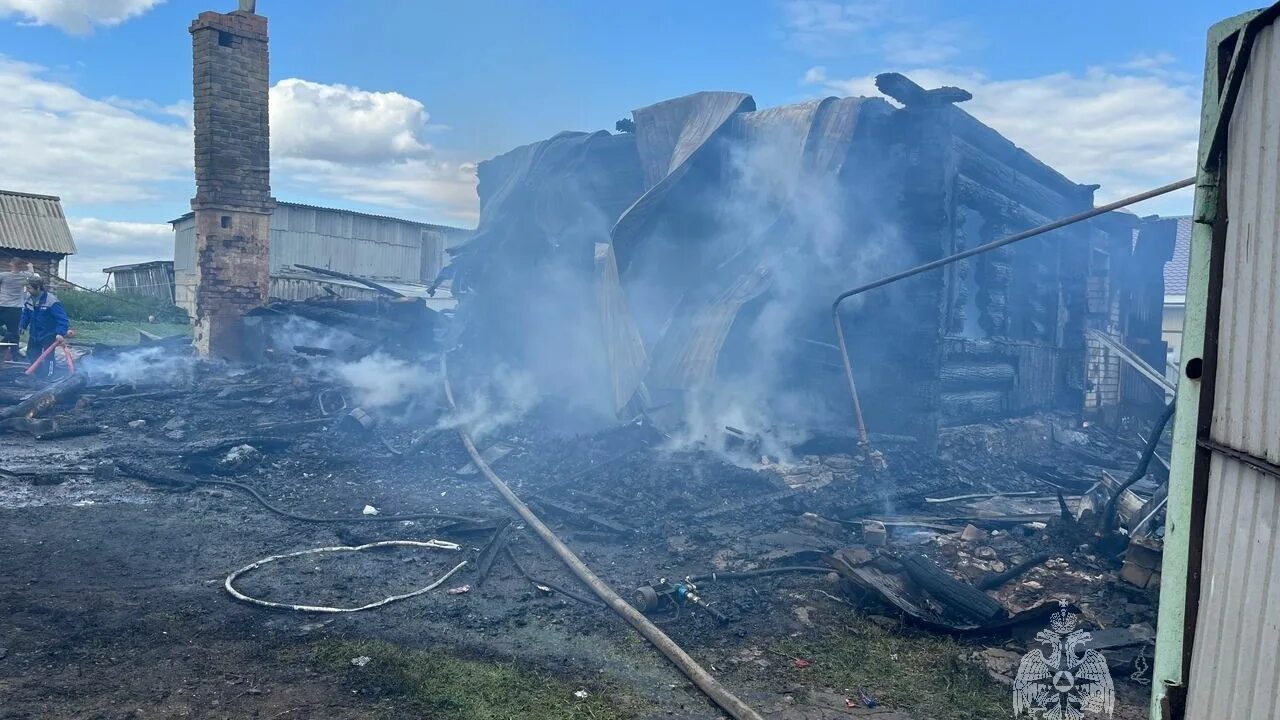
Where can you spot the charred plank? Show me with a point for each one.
(46, 399)
(965, 599)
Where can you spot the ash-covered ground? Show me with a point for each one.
(116, 552)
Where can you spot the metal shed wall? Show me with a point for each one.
(154, 279)
(367, 245)
(357, 244)
(184, 264)
(1234, 665)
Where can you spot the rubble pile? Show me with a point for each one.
(719, 539)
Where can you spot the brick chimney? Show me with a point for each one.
(233, 200)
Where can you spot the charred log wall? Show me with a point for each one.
(1014, 332)
(897, 338)
(997, 335)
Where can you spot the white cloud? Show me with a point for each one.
(333, 144)
(1128, 128)
(367, 147)
(339, 142)
(824, 27)
(898, 32)
(78, 17)
(55, 140)
(433, 190)
(919, 46)
(103, 243)
(338, 123)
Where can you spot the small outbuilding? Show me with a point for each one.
(34, 229)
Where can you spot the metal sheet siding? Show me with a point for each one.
(184, 247)
(1246, 414)
(1234, 670)
(34, 222)
(184, 264)
(360, 245)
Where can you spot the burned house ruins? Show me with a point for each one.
(694, 256)
(635, 407)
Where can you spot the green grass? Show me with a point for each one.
(89, 332)
(110, 307)
(925, 675)
(437, 685)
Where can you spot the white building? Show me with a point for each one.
(375, 247)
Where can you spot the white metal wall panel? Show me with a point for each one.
(1234, 671)
(184, 246)
(184, 265)
(360, 245)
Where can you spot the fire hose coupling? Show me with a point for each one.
(662, 595)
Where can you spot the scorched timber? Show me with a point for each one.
(48, 397)
(964, 599)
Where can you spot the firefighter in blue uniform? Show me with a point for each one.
(45, 321)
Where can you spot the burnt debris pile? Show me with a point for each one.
(747, 538)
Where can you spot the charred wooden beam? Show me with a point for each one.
(47, 398)
(906, 91)
(990, 172)
(491, 550)
(973, 404)
(965, 599)
(958, 374)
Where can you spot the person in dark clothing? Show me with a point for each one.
(45, 321)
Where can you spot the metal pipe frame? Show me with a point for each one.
(943, 262)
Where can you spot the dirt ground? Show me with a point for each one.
(115, 606)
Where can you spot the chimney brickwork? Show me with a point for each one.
(233, 200)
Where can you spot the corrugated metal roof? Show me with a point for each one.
(136, 266)
(303, 206)
(1175, 271)
(1235, 666)
(34, 223)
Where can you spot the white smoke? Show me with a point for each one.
(800, 226)
(297, 331)
(380, 381)
(500, 399)
(145, 366)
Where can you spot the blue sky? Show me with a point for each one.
(386, 106)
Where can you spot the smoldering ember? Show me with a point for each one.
(628, 449)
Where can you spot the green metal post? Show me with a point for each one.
(1171, 641)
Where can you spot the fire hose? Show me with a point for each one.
(942, 262)
(71, 362)
(430, 544)
(665, 645)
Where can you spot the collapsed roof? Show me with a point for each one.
(703, 250)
